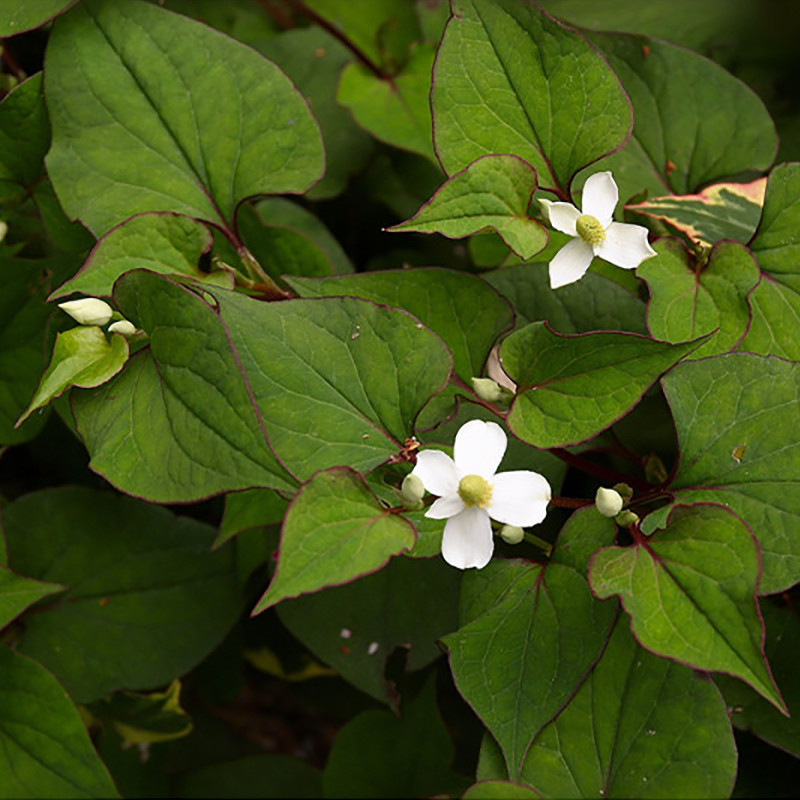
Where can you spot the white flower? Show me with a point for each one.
(470, 493)
(88, 310)
(122, 326)
(595, 232)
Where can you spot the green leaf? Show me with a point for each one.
(510, 79)
(531, 634)
(378, 755)
(591, 304)
(354, 628)
(164, 243)
(24, 131)
(690, 592)
(251, 509)
(499, 790)
(721, 211)
(695, 123)
(573, 387)
(493, 192)
(395, 110)
(22, 15)
(461, 308)
(45, 750)
(314, 59)
(688, 300)
(82, 357)
(737, 420)
(640, 726)
(152, 111)
(749, 710)
(267, 775)
(776, 246)
(18, 592)
(139, 718)
(335, 531)
(124, 562)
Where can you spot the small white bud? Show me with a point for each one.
(3, 230)
(608, 502)
(412, 489)
(88, 311)
(122, 326)
(511, 534)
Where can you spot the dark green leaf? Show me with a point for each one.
(573, 387)
(510, 79)
(152, 111)
(24, 130)
(335, 531)
(690, 591)
(45, 750)
(252, 509)
(18, 592)
(147, 599)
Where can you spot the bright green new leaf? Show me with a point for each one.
(749, 710)
(378, 755)
(23, 15)
(493, 192)
(640, 726)
(721, 211)
(510, 79)
(694, 122)
(24, 132)
(531, 634)
(45, 750)
(124, 561)
(82, 357)
(776, 301)
(138, 718)
(354, 628)
(18, 592)
(688, 300)
(573, 387)
(152, 111)
(165, 243)
(314, 59)
(738, 422)
(593, 303)
(461, 308)
(690, 592)
(335, 531)
(395, 110)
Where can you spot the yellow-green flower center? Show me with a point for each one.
(590, 229)
(475, 491)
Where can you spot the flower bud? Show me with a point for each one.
(88, 311)
(627, 518)
(3, 230)
(511, 534)
(122, 326)
(490, 390)
(624, 491)
(412, 490)
(608, 502)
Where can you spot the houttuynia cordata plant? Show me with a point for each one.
(399, 399)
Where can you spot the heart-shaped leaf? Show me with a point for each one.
(136, 95)
(690, 592)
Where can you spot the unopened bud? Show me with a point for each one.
(88, 311)
(491, 391)
(608, 502)
(412, 490)
(624, 491)
(627, 518)
(122, 326)
(511, 534)
(3, 230)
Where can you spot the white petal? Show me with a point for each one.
(445, 507)
(519, 498)
(437, 472)
(467, 539)
(479, 448)
(570, 263)
(625, 245)
(600, 197)
(563, 217)
(88, 310)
